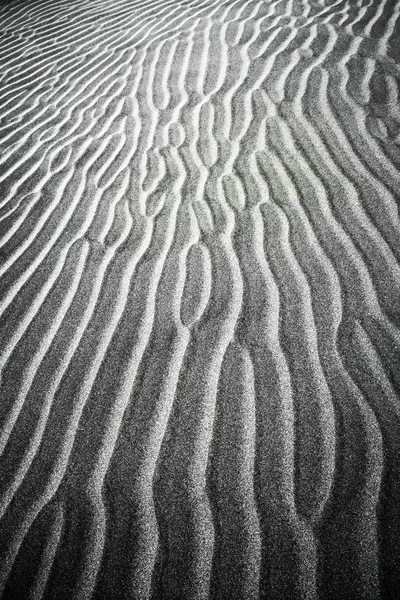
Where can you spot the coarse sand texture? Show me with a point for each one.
(199, 299)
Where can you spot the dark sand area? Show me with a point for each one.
(199, 300)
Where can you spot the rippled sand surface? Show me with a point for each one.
(200, 299)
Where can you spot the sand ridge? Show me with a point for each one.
(199, 299)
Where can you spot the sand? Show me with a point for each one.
(200, 299)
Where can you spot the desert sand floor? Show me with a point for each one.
(200, 299)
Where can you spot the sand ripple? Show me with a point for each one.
(199, 299)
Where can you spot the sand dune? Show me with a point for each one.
(199, 299)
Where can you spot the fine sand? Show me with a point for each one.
(200, 299)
